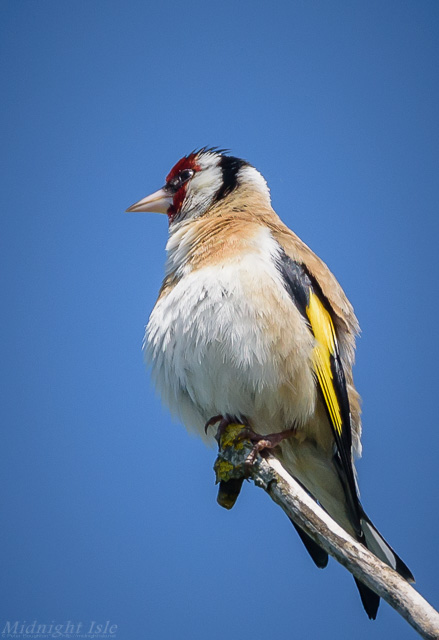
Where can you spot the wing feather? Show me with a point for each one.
(329, 372)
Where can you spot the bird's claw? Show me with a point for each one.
(261, 442)
(268, 441)
(211, 422)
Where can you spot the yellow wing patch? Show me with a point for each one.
(324, 333)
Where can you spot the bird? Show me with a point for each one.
(251, 326)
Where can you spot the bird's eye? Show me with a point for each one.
(186, 175)
(180, 179)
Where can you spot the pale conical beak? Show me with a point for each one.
(159, 202)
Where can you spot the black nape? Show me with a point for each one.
(230, 167)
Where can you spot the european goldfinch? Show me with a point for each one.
(251, 326)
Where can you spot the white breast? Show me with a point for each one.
(228, 340)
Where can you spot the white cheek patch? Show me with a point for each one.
(203, 187)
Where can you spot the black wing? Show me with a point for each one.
(328, 368)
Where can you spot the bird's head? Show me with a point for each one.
(200, 180)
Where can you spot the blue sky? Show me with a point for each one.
(109, 508)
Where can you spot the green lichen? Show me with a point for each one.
(233, 436)
(223, 470)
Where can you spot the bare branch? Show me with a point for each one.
(232, 467)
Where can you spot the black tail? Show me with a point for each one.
(370, 600)
(375, 542)
(316, 552)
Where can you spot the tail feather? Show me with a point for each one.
(325, 484)
(375, 542)
(369, 599)
(316, 552)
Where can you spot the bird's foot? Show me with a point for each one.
(268, 441)
(259, 441)
(224, 422)
(233, 434)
